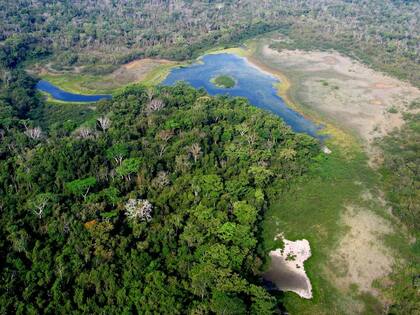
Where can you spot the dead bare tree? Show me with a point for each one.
(243, 129)
(164, 137)
(182, 163)
(251, 138)
(104, 123)
(139, 209)
(195, 151)
(161, 180)
(39, 209)
(39, 203)
(154, 105)
(84, 133)
(33, 133)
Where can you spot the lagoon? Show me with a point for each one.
(64, 96)
(257, 86)
(252, 83)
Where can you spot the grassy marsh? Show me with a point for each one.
(315, 206)
(147, 71)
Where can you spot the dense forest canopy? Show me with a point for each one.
(402, 170)
(382, 33)
(147, 209)
(152, 202)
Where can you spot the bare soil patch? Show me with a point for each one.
(132, 72)
(361, 256)
(376, 101)
(344, 91)
(137, 70)
(382, 85)
(330, 60)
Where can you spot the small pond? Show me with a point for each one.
(257, 86)
(60, 95)
(287, 271)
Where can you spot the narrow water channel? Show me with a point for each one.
(60, 95)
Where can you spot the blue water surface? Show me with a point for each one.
(61, 95)
(257, 86)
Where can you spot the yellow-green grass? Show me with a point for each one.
(239, 51)
(158, 74)
(77, 83)
(246, 50)
(90, 84)
(313, 206)
(52, 100)
(311, 210)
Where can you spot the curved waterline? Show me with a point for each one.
(60, 95)
(252, 83)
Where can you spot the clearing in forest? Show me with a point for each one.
(355, 241)
(364, 102)
(80, 81)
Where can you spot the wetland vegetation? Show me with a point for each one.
(60, 95)
(251, 82)
(167, 199)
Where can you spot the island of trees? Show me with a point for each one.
(223, 81)
(382, 33)
(153, 202)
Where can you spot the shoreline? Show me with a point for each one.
(285, 85)
(287, 270)
(155, 71)
(249, 53)
(282, 87)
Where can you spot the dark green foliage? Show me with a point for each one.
(68, 246)
(224, 81)
(401, 169)
(17, 93)
(401, 173)
(18, 100)
(383, 33)
(18, 48)
(61, 118)
(74, 28)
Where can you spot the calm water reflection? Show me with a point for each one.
(252, 83)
